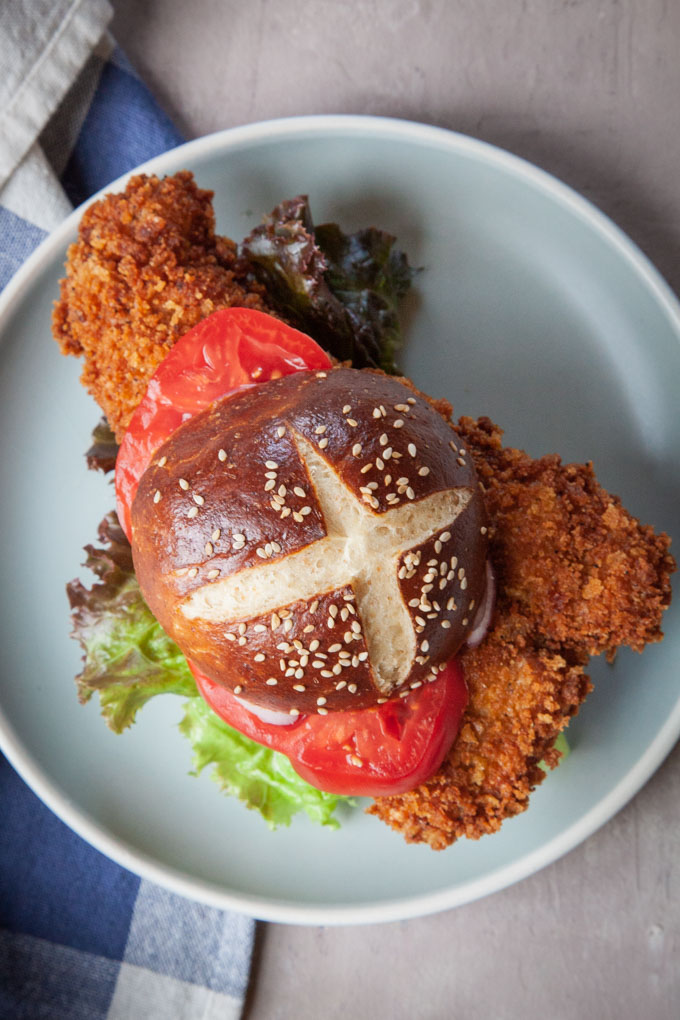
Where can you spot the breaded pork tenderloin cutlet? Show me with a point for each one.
(577, 575)
(147, 267)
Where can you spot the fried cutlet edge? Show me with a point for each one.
(146, 267)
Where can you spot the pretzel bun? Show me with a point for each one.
(316, 543)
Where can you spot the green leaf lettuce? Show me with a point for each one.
(262, 778)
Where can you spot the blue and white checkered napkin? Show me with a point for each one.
(81, 937)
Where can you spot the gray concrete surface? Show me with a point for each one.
(591, 92)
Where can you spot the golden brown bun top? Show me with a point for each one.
(316, 543)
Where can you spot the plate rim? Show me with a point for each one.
(292, 912)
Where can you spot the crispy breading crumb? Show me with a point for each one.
(146, 267)
(577, 576)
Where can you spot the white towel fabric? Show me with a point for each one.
(44, 45)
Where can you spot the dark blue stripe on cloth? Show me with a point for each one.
(123, 127)
(19, 238)
(55, 886)
(41, 981)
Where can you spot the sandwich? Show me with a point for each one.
(398, 603)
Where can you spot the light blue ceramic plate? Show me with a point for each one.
(532, 308)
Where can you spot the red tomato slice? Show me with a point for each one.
(369, 753)
(376, 751)
(232, 349)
